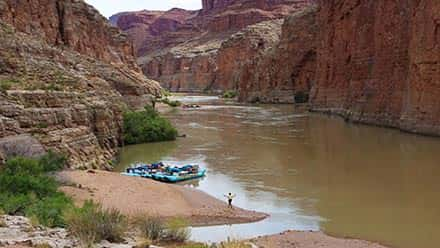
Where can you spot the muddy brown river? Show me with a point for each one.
(308, 171)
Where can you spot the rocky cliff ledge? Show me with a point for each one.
(187, 55)
(379, 63)
(65, 78)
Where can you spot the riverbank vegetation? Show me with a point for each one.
(91, 224)
(147, 126)
(158, 230)
(229, 94)
(27, 189)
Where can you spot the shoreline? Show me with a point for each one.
(135, 197)
(138, 196)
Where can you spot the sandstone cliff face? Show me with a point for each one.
(154, 30)
(67, 94)
(71, 23)
(242, 49)
(202, 59)
(379, 63)
(188, 67)
(227, 15)
(287, 69)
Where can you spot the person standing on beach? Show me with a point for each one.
(230, 196)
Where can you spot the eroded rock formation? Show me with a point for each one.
(285, 72)
(154, 30)
(70, 23)
(185, 56)
(66, 76)
(379, 63)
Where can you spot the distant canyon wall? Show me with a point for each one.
(194, 54)
(285, 72)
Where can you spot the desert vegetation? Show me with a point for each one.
(147, 126)
(27, 189)
(91, 224)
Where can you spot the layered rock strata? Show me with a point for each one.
(285, 72)
(63, 83)
(186, 56)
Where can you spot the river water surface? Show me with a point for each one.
(308, 171)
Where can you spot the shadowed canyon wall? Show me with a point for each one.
(66, 76)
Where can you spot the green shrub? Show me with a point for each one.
(113, 225)
(36, 167)
(82, 224)
(171, 103)
(52, 162)
(229, 94)
(13, 204)
(26, 189)
(91, 224)
(22, 184)
(147, 126)
(49, 211)
(166, 93)
(177, 231)
(149, 227)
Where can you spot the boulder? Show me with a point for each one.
(21, 145)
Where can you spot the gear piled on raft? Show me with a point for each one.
(165, 173)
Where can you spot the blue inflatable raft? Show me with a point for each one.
(165, 173)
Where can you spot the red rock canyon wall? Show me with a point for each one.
(66, 76)
(378, 63)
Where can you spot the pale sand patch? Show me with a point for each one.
(296, 239)
(134, 196)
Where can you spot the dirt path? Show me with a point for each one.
(293, 239)
(134, 196)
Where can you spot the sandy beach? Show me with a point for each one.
(135, 196)
(295, 239)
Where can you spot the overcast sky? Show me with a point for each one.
(110, 7)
